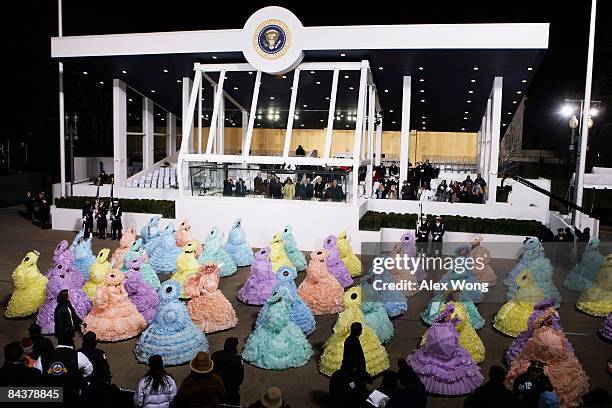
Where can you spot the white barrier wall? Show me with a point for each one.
(68, 219)
(89, 190)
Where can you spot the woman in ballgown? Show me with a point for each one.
(532, 249)
(61, 253)
(125, 243)
(140, 293)
(214, 252)
(294, 254)
(97, 273)
(437, 304)
(597, 299)
(375, 354)
(59, 279)
(299, 313)
(320, 290)
(208, 308)
(83, 256)
(183, 236)
(606, 328)
(278, 256)
(163, 251)
(461, 273)
(411, 275)
(258, 287)
(393, 301)
(544, 314)
(277, 343)
(151, 230)
(147, 273)
(30, 288)
(334, 264)
(350, 260)
(237, 247)
(513, 316)
(482, 263)
(113, 316)
(186, 264)
(561, 366)
(582, 276)
(172, 334)
(374, 312)
(442, 364)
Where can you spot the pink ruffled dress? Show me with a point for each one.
(482, 263)
(320, 290)
(125, 243)
(183, 237)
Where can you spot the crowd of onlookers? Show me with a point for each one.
(38, 208)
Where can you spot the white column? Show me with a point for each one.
(245, 128)
(187, 85)
(487, 141)
(496, 112)
(171, 140)
(378, 149)
(119, 132)
(361, 112)
(405, 131)
(219, 141)
(147, 127)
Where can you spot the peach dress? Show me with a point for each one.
(321, 291)
(125, 243)
(183, 237)
(482, 266)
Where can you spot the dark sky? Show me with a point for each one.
(30, 77)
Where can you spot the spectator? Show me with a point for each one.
(14, 372)
(492, 393)
(468, 182)
(29, 205)
(300, 151)
(44, 209)
(337, 192)
(548, 399)
(66, 319)
(288, 189)
(455, 191)
(328, 192)
(241, 188)
(157, 389)
(202, 387)
(441, 193)
(530, 385)
(228, 186)
(41, 344)
(411, 392)
(392, 193)
(406, 191)
(28, 351)
(258, 184)
(477, 194)
(380, 192)
(465, 195)
(228, 365)
(394, 169)
(308, 189)
(425, 194)
(272, 398)
(101, 369)
(347, 386)
(597, 398)
(318, 187)
(300, 189)
(480, 181)
(276, 188)
(353, 350)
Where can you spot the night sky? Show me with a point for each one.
(30, 76)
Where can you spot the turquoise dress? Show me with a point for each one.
(582, 276)
(83, 256)
(147, 273)
(151, 230)
(462, 277)
(214, 252)
(294, 254)
(277, 343)
(532, 249)
(237, 247)
(163, 251)
(435, 306)
(393, 301)
(542, 271)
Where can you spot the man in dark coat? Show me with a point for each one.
(422, 236)
(347, 386)
(44, 210)
(309, 189)
(300, 151)
(66, 319)
(96, 390)
(29, 205)
(101, 220)
(354, 351)
(493, 393)
(40, 344)
(337, 192)
(258, 184)
(116, 224)
(15, 372)
(228, 365)
(528, 386)
(582, 239)
(202, 388)
(437, 234)
(87, 215)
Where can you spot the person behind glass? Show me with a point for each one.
(406, 191)
(528, 386)
(477, 194)
(276, 188)
(228, 186)
(44, 210)
(337, 192)
(202, 387)
(347, 386)
(241, 188)
(318, 187)
(66, 319)
(258, 184)
(115, 217)
(96, 387)
(157, 388)
(288, 189)
(437, 234)
(40, 344)
(300, 189)
(308, 189)
(392, 195)
(101, 221)
(88, 217)
(15, 372)
(422, 235)
(441, 193)
(464, 195)
(480, 181)
(300, 151)
(229, 366)
(29, 205)
(427, 173)
(380, 191)
(394, 169)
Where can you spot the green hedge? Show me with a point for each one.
(163, 207)
(374, 221)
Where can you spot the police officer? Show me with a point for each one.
(437, 232)
(88, 217)
(101, 221)
(422, 237)
(115, 217)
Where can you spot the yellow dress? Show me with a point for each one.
(513, 316)
(97, 272)
(30, 288)
(278, 256)
(468, 338)
(186, 264)
(597, 300)
(350, 260)
(376, 356)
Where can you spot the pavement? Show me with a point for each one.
(305, 386)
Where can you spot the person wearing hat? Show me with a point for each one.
(202, 387)
(157, 389)
(96, 387)
(28, 348)
(528, 386)
(40, 344)
(115, 217)
(14, 372)
(437, 232)
(101, 221)
(228, 365)
(88, 218)
(272, 398)
(492, 393)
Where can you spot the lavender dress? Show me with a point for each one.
(141, 293)
(408, 248)
(606, 328)
(61, 253)
(444, 367)
(334, 265)
(258, 287)
(58, 280)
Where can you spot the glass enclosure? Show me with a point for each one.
(135, 132)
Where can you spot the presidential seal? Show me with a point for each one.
(272, 39)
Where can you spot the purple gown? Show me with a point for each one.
(58, 280)
(61, 253)
(258, 287)
(408, 248)
(444, 367)
(606, 328)
(140, 293)
(334, 265)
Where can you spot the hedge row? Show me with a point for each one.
(163, 207)
(374, 221)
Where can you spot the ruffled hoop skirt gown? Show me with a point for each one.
(237, 247)
(83, 255)
(375, 354)
(140, 293)
(582, 276)
(542, 272)
(393, 301)
(186, 265)
(409, 277)
(208, 308)
(334, 265)
(375, 316)
(113, 316)
(63, 253)
(151, 230)
(125, 243)
(278, 256)
(321, 291)
(183, 237)
(213, 252)
(147, 273)
(532, 249)
(294, 254)
(30, 288)
(163, 252)
(437, 304)
(97, 273)
(348, 258)
(172, 334)
(597, 300)
(606, 328)
(258, 287)
(483, 272)
(277, 343)
(513, 316)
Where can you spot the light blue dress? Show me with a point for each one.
(147, 273)
(435, 306)
(163, 251)
(237, 247)
(532, 249)
(542, 271)
(294, 254)
(151, 230)
(172, 334)
(393, 301)
(463, 276)
(277, 343)
(299, 313)
(83, 256)
(582, 276)
(214, 252)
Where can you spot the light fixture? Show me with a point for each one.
(518, 92)
(276, 117)
(420, 68)
(424, 128)
(423, 117)
(272, 98)
(593, 111)
(422, 90)
(472, 80)
(421, 80)
(235, 88)
(259, 117)
(466, 112)
(130, 99)
(259, 124)
(514, 102)
(524, 81)
(225, 77)
(250, 72)
(347, 125)
(302, 125)
(342, 54)
(163, 119)
(475, 68)
(346, 77)
(270, 117)
(327, 98)
(567, 110)
(85, 73)
(351, 88)
(152, 90)
(380, 68)
(214, 57)
(393, 122)
(462, 128)
(178, 81)
(503, 124)
(423, 123)
(320, 120)
(312, 72)
(509, 113)
(529, 69)
(124, 72)
(468, 101)
(337, 117)
(390, 110)
(386, 91)
(305, 106)
(101, 82)
(165, 70)
(465, 118)
(318, 82)
(422, 100)
(470, 91)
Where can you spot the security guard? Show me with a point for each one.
(101, 221)
(116, 226)
(422, 236)
(437, 232)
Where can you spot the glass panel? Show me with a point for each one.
(208, 96)
(134, 111)
(134, 154)
(160, 133)
(179, 133)
(239, 86)
(347, 98)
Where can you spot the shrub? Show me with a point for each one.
(164, 207)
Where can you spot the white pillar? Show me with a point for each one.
(171, 139)
(219, 142)
(487, 141)
(119, 132)
(405, 131)
(496, 112)
(378, 149)
(187, 85)
(361, 113)
(149, 139)
(245, 128)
